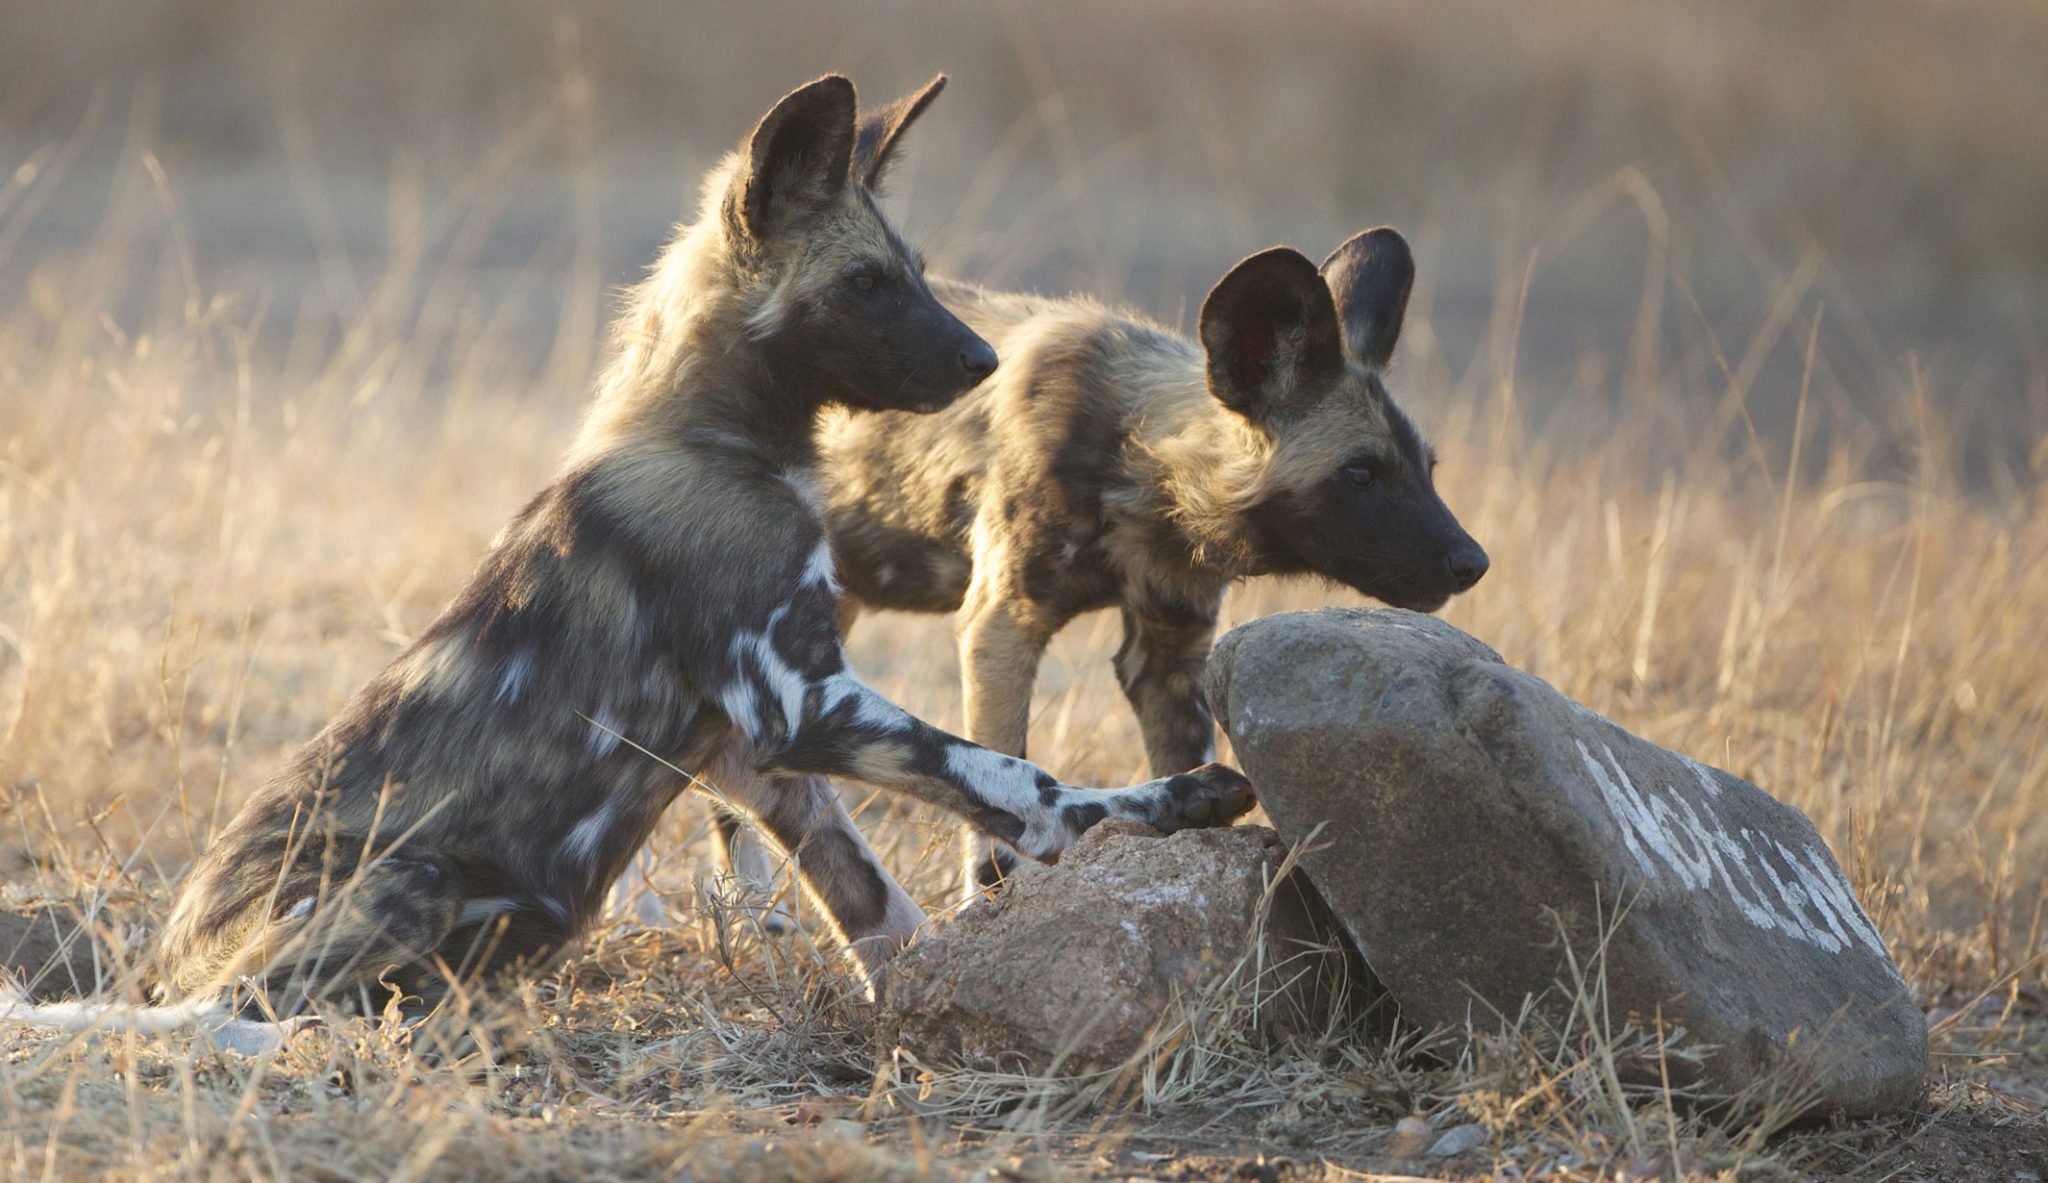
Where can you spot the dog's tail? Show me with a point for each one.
(207, 1016)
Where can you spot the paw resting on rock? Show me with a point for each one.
(1212, 795)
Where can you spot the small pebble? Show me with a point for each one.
(1458, 1140)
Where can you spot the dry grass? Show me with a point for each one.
(1768, 539)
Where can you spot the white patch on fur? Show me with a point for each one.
(808, 487)
(775, 307)
(885, 575)
(513, 680)
(300, 910)
(740, 704)
(878, 712)
(485, 908)
(785, 684)
(837, 689)
(870, 709)
(1010, 785)
(586, 837)
(819, 568)
(440, 668)
(782, 681)
(604, 733)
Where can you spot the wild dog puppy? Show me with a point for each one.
(665, 613)
(1114, 463)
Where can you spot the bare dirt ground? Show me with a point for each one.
(1730, 335)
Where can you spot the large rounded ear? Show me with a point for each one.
(799, 155)
(1370, 276)
(876, 140)
(1270, 329)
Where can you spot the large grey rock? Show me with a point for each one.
(1070, 967)
(1471, 815)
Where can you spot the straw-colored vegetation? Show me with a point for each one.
(1739, 495)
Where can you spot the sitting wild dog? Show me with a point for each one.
(1113, 463)
(664, 614)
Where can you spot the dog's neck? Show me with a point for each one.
(688, 376)
(1200, 465)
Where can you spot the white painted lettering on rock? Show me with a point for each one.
(1774, 887)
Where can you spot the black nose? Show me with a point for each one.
(978, 360)
(1467, 566)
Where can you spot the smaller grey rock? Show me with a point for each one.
(255, 1037)
(847, 1129)
(1458, 1139)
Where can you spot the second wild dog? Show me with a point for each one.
(1114, 463)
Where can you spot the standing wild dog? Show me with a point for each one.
(1113, 463)
(664, 613)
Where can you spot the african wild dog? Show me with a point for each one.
(665, 612)
(1113, 463)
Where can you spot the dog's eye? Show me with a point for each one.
(864, 280)
(1359, 472)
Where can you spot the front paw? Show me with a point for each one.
(1212, 795)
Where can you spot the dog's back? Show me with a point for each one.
(1056, 436)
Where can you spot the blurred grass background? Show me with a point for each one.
(1887, 154)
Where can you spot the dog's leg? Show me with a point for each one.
(633, 896)
(749, 861)
(850, 730)
(801, 711)
(741, 852)
(1000, 648)
(1160, 668)
(871, 913)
